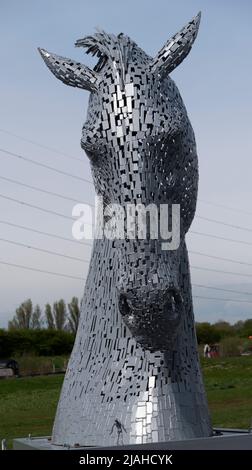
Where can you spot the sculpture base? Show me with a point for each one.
(235, 439)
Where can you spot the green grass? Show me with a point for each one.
(28, 405)
(229, 389)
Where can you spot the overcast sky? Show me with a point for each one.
(215, 83)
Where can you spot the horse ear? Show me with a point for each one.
(70, 72)
(176, 49)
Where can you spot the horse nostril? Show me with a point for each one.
(174, 299)
(124, 305)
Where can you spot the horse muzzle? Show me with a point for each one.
(153, 321)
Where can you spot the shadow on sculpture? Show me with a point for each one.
(134, 369)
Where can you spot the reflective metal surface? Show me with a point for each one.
(134, 373)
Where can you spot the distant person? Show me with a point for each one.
(207, 351)
(119, 428)
(214, 351)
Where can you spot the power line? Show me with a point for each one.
(202, 254)
(86, 261)
(43, 165)
(43, 250)
(48, 211)
(223, 300)
(90, 182)
(11, 224)
(220, 271)
(222, 289)
(83, 279)
(41, 270)
(11, 180)
(29, 268)
(90, 244)
(33, 206)
(58, 152)
(225, 207)
(42, 146)
(220, 238)
(83, 260)
(239, 227)
(220, 258)
(35, 188)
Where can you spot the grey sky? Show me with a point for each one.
(215, 83)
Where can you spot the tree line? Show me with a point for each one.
(216, 332)
(65, 317)
(35, 342)
(58, 316)
(52, 331)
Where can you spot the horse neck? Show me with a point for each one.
(107, 363)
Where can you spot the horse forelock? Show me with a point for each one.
(118, 49)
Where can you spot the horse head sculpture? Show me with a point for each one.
(137, 313)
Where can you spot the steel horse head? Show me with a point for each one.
(142, 150)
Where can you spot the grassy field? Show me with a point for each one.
(229, 390)
(27, 405)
